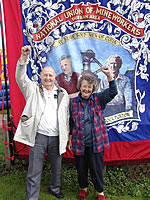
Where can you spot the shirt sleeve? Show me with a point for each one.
(71, 123)
(25, 84)
(108, 94)
(128, 95)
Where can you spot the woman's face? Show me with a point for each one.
(86, 89)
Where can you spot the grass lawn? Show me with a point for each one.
(12, 187)
(118, 184)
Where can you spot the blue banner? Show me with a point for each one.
(76, 37)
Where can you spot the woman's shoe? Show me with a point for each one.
(82, 194)
(101, 197)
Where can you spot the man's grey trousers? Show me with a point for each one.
(43, 144)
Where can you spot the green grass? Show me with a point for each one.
(5, 111)
(118, 184)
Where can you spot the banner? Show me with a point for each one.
(83, 36)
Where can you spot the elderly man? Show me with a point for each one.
(68, 79)
(43, 125)
(123, 100)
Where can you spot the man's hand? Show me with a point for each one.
(25, 51)
(107, 71)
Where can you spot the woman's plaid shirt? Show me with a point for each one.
(99, 133)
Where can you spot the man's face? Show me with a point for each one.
(48, 77)
(114, 66)
(66, 66)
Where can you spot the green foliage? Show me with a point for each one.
(118, 182)
(69, 177)
(2, 154)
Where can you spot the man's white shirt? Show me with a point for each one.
(49, 121)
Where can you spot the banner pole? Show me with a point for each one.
(10, 135)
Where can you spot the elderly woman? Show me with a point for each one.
(88, 136)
